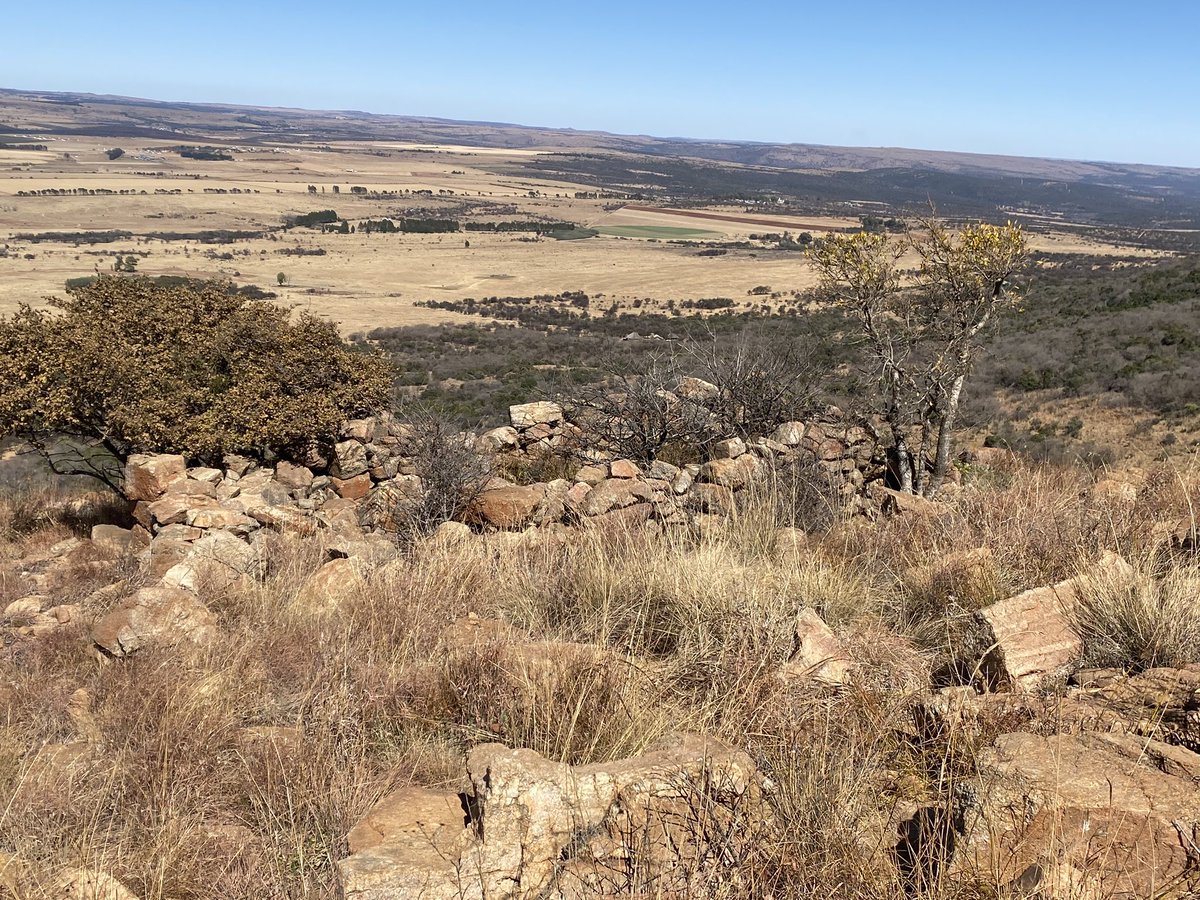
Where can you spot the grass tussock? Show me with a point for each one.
(237, 768)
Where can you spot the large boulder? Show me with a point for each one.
(155, 615)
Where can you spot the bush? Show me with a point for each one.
(195, 368)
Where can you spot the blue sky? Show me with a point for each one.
(1099, 80)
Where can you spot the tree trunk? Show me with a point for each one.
(941, 463)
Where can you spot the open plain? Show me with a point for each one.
(228, 218)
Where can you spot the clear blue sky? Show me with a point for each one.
(1098, 80)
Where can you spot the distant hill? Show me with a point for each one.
(1094, 193)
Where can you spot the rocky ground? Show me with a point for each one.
(644, 681)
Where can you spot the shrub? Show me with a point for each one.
(194, 368)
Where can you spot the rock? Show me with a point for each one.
(1030, 635)
(349, 460)
(171, 510)
(409, 846)
(148, 476)
(816, 652)
(205, 474)
(165, 553)
(24, 608)
(789, 434)
(696, 389)
(501, 439)
(451, 534)
(284, 519)
(615, 493)
(89, 884)
(352, 488)
(217, 561)
(592, 475)
(364, 430)
(155, 615)
(730, 448)
(713, 498)
(1102, 805)
(510, 506)
(611, 814)
(221, 517)
(682, 482)
(293, 477)
(623, 468)
(530, 824)
(185, 533)
(526, 415)
(237, 465)
(114, 540)
(331, 585)
(731, 473)
(663, 471)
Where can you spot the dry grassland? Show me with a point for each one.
(364, 281)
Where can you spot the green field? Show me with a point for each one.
(656, 231)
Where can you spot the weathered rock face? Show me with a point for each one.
(531, 827)
(1119, 812)
(147, 477)
(155, 615)
(1030, 635)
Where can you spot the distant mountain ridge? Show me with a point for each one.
(1116, 193)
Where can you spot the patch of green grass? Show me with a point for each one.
(656, 231)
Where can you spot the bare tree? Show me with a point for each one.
(636, 414)
(922, 335)
(759, 382)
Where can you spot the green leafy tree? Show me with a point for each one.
(922, 332)
(126, 365)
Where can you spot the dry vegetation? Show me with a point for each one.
(236, 770)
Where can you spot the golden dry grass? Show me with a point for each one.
(236, 769)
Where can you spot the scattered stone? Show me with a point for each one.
(730, 448)
(155, 615)
(816, 652)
